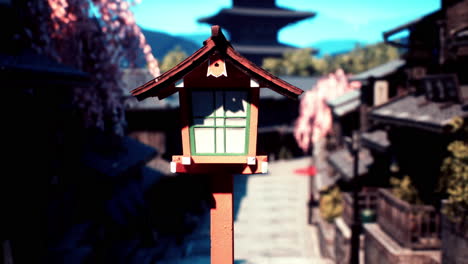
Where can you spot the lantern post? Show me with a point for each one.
(356, 224)
(219, 93)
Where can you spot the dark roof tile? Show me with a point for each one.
(345, 103)
(343, 162)
(416, 111)
(377, 140)
(128, 154)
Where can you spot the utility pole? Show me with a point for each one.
(356, 225)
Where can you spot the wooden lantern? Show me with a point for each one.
(219, 101)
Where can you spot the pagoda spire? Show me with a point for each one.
(253, 27)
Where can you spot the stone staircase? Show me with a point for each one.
(270, 221)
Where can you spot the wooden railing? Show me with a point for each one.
(367, 200)
(413, 226)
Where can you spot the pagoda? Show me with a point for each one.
(253, 27)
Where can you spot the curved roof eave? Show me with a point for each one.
(217, 42)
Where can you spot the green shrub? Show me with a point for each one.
(454, 181)
(405, 190)
(331, 203)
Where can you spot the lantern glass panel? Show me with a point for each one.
(204, 140)
(219, 122)
(235, 140)
(220, 145)
(235, 121)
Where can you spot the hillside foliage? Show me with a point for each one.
(301, 62)
(173, 58)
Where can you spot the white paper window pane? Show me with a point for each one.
(236, 103)
(203, 121)
(235, 140)
(204, 140)
(220, 121)
(219, 140)
(219, 103)
(202, 103)
(235, 122)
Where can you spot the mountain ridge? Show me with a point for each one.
(162, 43)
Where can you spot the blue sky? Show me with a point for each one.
(361, 20)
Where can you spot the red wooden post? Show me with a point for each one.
(222, 216)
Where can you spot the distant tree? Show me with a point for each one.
(301, 62)
(98, 37)
(363, 58)
(294, 62)
(173, 58)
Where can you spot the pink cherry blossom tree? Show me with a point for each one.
(315, 119)
(97, 37)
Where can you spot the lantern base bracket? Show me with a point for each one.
(225, 164)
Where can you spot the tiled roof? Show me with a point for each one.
(262, 49)
(126, 155)
(278, 13)
(133, 78)
(346, 103)
(377, 140)
(379, 71)
(31, 68)
(265, 49)
(431, 16)
(303, 83)
(31, 61)
(216, 43)
(416, 111)
(268, 12)
(343, 162)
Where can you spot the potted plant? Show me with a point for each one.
(454, 181)
(331, 203)
(404, 189)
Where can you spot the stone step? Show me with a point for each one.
(282, 260)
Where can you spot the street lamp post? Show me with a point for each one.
(356, 225)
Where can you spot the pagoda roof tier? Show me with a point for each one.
(280, 15)
(263, 51)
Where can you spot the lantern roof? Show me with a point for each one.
(164, 85)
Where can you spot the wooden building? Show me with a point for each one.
(419, 124)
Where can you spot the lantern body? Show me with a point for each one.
(219, 99)
(219, 116)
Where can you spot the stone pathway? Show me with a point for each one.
(270, 220)
(271, 225)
